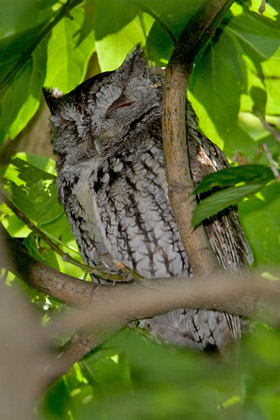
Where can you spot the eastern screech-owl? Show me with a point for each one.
(112, 183)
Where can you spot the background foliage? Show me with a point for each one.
(236, 80)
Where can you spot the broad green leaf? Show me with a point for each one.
(119, 26)
(167, 384)
(66, 66)
(258, 40)
(108, 371)
(67, 397)
(250, 174)
(21, 99)
(69, 50)
(24, 14)
(33, 191)
(38, 249)
(221, 200)
(57, 402)
(40, 162)
(18, 43)
(214, 96)
(260, 217)
(243, 58)
(175, 15)
(15, 226)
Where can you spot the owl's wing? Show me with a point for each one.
(223, 230)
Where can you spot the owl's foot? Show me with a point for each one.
(113, 266)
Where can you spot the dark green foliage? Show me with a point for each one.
(236, 77)
(253, 178)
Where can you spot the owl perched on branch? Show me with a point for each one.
(112, 183)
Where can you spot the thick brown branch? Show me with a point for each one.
(115, 305)
(43, 278)
(199, 29)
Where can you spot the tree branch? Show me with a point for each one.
(200, 28)
(99, 271)
(115, 305)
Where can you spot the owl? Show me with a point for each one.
(107, 135)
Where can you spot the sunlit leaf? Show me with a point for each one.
(33, 191)
(118, 30)
(69, 50)
(221, 200)
(250, 174)
(260, 218)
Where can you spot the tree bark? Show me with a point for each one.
(200, 28)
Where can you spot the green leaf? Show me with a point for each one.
(119, 26)
(175, 15)
(221, 200)
(220, 101)
(69, 50)
(108, 371)
(21, 99)
(250, 174)
(241, 59)
(24, 14)
(260, 217)
(41, 251)
(18, 43)
(33, 191)
(40, 162)
(167, 384)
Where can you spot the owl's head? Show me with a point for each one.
(95, 117)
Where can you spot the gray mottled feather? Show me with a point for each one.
(112, 183)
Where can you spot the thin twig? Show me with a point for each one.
(26, 55)
(266, 125)
(273, 167)
(163, 24)
(65, 256)
(77, 347)
(262, 7)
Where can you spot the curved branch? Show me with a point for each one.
(112, 307)
(115, 305)
(99, 271)
(200, 28)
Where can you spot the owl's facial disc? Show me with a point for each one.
(121, 102)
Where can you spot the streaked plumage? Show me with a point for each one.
(112, 183)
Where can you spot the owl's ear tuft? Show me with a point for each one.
(135, 62)
(52, 97)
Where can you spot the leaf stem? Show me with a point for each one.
(161, 22)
